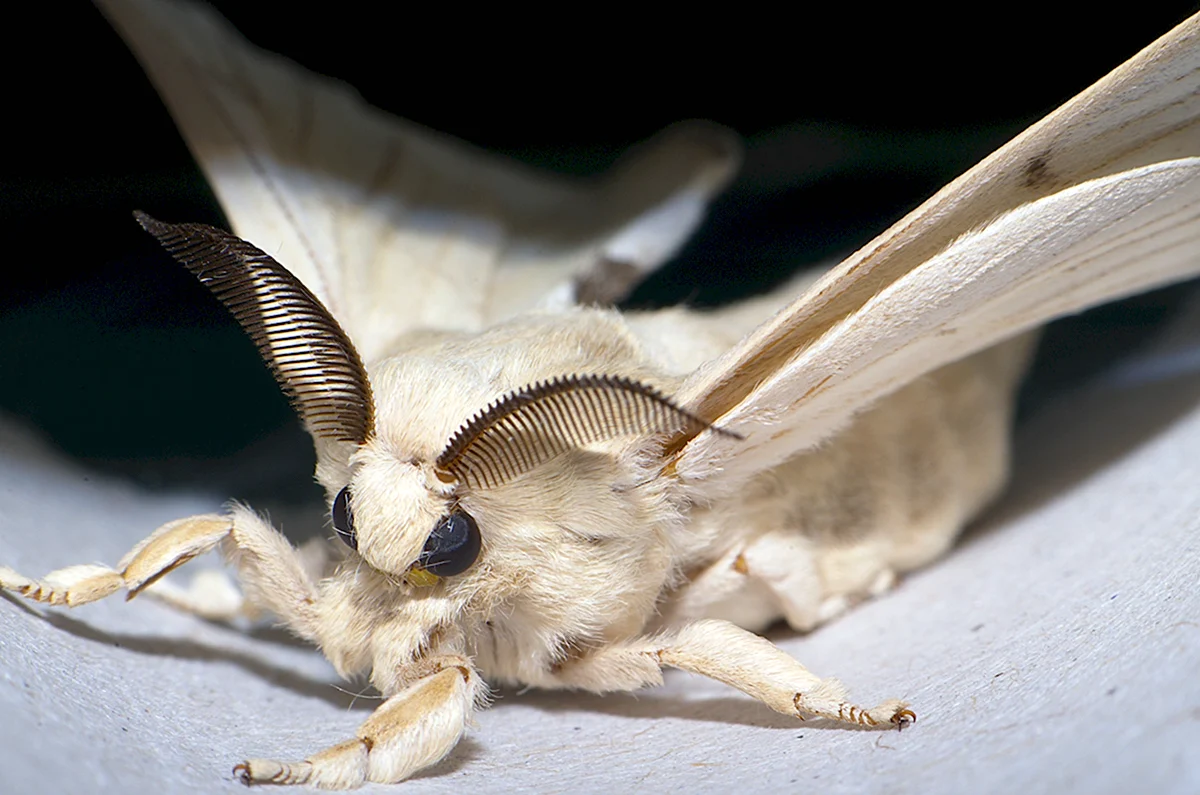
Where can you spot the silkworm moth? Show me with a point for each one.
(543, 493)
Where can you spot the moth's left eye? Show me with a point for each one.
(452, 546)
(343, 518)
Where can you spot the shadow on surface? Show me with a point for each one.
(734, 709)
(185, 649)
(1055, 450)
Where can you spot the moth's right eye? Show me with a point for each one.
(343, 518)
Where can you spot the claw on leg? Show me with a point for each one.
(729, 654)
(409, 732)
(172, 545)
(270, 569)
(263, 771)
(892, 712)
(72, 586)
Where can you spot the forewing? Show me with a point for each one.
(1102, 240)
(1094, 202)
(1145, 111)
(394, 227)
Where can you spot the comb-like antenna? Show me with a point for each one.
(308, 352)
(530, 426)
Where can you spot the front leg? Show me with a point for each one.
(729, 654)
(410, 731)
(213, 594)
(267, 565)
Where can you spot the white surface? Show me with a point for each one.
(1056, 649)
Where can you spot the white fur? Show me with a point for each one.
(875, 412)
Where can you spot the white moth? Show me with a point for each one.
(518, 500)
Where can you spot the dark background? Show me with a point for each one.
(850, 120)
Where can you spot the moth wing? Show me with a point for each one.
(394, 227)
(1018, 240)
(1105, 239)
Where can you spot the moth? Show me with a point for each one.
(536, 491)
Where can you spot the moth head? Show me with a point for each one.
(403, 519)
(410, 508)
(433, 518)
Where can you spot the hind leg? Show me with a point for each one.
(729, 654)
(777, 575)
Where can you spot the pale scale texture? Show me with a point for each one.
(1056, 649)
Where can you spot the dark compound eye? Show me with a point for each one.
(343, 518)
(452, 546)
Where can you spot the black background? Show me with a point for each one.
(850, 119)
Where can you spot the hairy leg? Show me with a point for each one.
(732, 655)
(410, 731)
(774, 576)
(268, 567)
(214, 594)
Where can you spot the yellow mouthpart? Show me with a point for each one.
(420, 577)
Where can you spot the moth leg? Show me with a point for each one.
(266, 564)
(729, 654)
(709, 592)
(410, 731)
(833, 606)
(785, 562)
(169, 546)
(210, 594)
(215, 596)
(772, 575)
(753, 584)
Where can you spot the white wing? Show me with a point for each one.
(1108, 238)
(395, 227)
(1099, 200)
